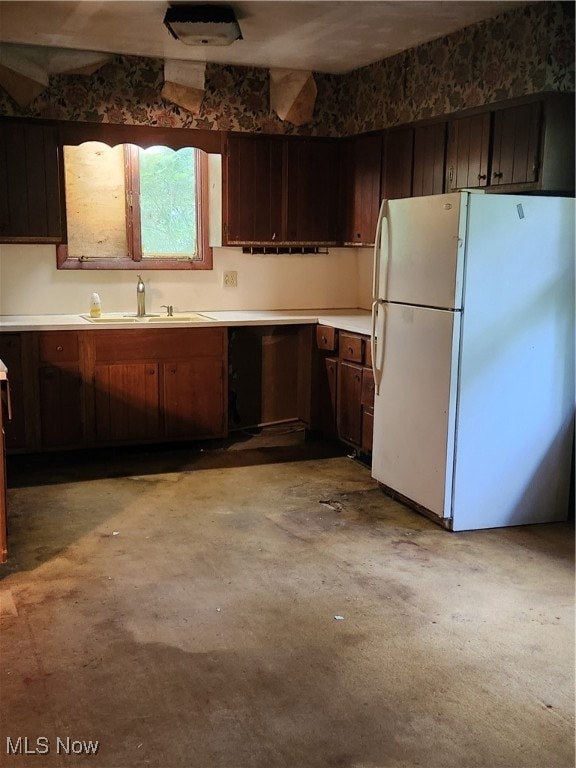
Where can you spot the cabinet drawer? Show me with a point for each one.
(326, 338)
(368, 388)
(173, 344)
(58, 347)
(351, 348)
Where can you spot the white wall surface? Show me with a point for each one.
(30, 284)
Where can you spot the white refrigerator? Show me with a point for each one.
(473, 356)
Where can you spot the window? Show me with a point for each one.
(134, 208)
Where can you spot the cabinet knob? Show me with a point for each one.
(497, 174)
(59, 348)
(481, 176)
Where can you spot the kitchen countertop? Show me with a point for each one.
(355, 320)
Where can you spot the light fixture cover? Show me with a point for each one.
(203, 24)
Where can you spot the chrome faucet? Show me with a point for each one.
(140, 298)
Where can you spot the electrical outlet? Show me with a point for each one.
(230, 279)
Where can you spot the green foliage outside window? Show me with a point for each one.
(168, 203)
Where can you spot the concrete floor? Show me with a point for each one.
(180, 609)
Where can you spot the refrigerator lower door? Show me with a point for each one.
(414, 412)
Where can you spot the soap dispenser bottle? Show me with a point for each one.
(95, 306)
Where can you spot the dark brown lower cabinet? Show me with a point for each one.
(368, 389)
(60, 389)
(126, 402)
(80, 389)
(349, 402)
(159, 384)
(61, 411)
(269, 377)
(329, 397)
(12, 354)
(3, 416)
(345, 387)
(193, 398)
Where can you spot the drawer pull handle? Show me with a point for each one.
(59, 348)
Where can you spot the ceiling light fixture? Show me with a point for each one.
(203, 24)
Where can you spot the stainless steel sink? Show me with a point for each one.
(111, 317)
(191, 317)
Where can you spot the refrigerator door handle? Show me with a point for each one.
(377, 260)
(377, 342)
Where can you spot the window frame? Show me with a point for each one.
(133, 219)
(210, 142)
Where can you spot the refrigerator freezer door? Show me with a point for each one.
(414, 413)
(426, 243)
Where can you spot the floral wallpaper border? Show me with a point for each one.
(524, 51)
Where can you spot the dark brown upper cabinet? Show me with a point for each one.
(533, 146)
(429, 159)
(397, 162)
(30, 206)
(362, 181)
(311, 184)
(515, 147)
(252, 192)
(467, 156)
(280, 190)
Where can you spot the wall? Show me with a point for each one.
(31, 284)
(524, 51)
(521, 52)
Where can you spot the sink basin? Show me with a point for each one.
(189, 317)
(192, 317)
(110, 318)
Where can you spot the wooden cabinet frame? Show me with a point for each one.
(118, 386)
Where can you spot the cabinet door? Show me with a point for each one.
(29, 183)
(368, 392)
(61, 417)
(350, 402)
(252, 190)
(515, 150)
(312, 171)
(397, 160)
(429, 160)
(363, 175)
(468, 146)
(329, 397)
(194, 398)
(127, 402)
(11, 356)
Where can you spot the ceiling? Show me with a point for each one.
(323, 36)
